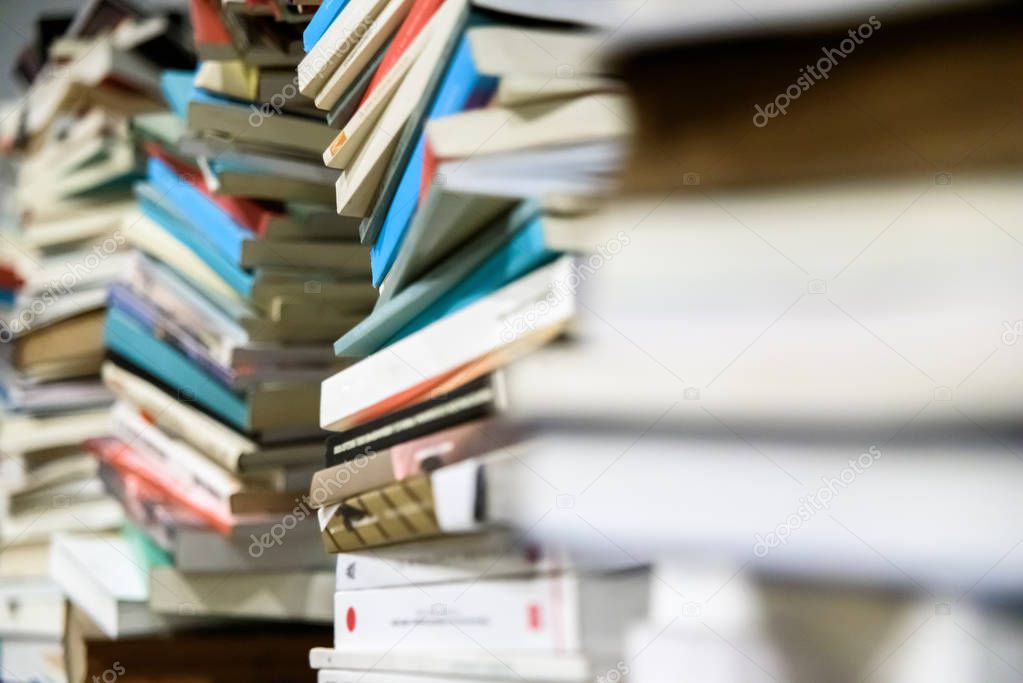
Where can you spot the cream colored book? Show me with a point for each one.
(331, 49)
(372, 41)
(361, 125)
(540, 52)
(358, 184)
(516, 91)
(505, 129)
(231, 77)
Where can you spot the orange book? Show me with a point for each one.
(192, 498)
(421, 12)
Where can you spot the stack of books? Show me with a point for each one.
(473, 144)
(66, 210)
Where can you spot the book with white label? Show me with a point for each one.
(560, 614)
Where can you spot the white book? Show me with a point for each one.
(844, 506)
(467, 335)
(31, 608)
(452, 559)
(546, 615)
(370, 43)
(462, 668)
(362, 122)
(336, 43)
(809, 305)
(103, 576)
(33, 660)
(530, 667)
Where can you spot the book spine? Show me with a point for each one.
(417, 18)
(538, 615)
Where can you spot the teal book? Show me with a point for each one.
(129, 339)
(511, 247)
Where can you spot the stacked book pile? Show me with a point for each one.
(86, 75)
(472, 147)
(189, 348)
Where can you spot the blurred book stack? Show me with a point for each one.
(86, 74)
(793, 329)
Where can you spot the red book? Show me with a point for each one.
(190, 497)
(414, 22)
(207, 25)
(248, 213)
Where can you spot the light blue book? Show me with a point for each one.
(177, 87)
(462, 87)
(130, 339)
(321, 21)
(153, 205)
(511, 247)
(201, 211)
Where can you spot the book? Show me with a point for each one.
(107, 580)
(223, 445)
(478, 398)
(517, 491)
(325, 15)
(511, 247)
(395, 513)
(342, 665)
(271, 409)
(457, 559)
(461, 87)
(336, 43)
(300, 596)
(559, 614)
(360, 393)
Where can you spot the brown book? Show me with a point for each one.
(921, 95)
(234, 654)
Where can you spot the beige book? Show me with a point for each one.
(505, 129)
(538, 52)
(335, 44)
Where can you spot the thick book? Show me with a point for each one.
(557, 614)
(612, 478)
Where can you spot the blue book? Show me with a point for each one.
(152, 205)
(128, 338)
(321, 21)
(461, 87)
(511, 247)
(177, 87)
(203, 213)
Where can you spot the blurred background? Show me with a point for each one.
(564, 341)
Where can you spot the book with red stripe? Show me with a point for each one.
(418, 16)
(557, 614)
